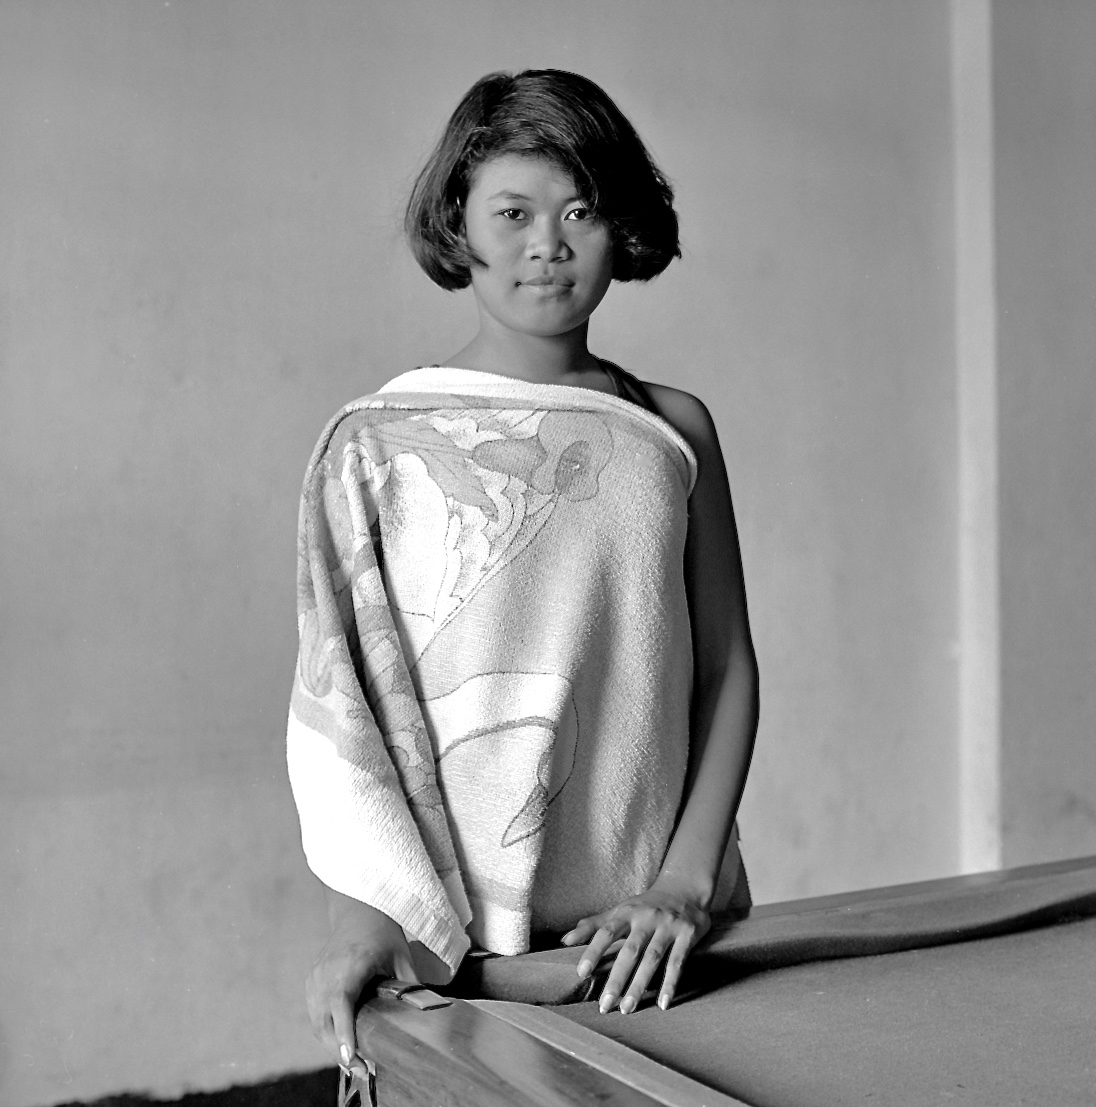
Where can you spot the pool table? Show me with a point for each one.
(970, 990)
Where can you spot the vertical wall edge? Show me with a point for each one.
(979, 636)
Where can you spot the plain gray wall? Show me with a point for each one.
(200, 260)
(1046, 215)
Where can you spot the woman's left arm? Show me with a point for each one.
(666, 921)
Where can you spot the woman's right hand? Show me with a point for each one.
(365, 943)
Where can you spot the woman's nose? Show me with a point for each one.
(546, 241)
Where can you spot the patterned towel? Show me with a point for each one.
(489, 724)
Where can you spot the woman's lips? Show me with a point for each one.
(548, 286)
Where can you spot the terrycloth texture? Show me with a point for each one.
(489, 722)
(914, 917)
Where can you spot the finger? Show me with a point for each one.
(404, 968)
(652, 958)
(625, 962)
(342, 1019)
(324, 1029)
(319, 1016)
(583, 930)
(674, 964)
(601, 941)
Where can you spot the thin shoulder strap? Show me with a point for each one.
(629, 387)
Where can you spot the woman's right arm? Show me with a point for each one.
(364, 944)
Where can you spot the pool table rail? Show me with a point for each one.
(491, 1053)
(494, 1054)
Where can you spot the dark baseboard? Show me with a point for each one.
(306, 1089)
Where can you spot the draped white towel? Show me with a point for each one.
(489, 724)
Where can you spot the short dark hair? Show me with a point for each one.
(569, 121)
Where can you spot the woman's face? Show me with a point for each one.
(548, 259)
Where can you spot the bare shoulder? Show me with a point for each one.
(687, 415)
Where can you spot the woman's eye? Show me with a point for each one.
(511, 213)
(578, 213)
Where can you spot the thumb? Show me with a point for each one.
(404, 967)
(342, 1018)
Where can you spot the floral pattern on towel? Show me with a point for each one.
(483, 481)
(511, 736)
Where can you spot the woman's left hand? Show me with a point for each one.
(662, 923)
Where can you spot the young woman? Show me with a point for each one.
(527, 695)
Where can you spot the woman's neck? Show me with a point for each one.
(553, 359)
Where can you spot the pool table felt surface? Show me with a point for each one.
(1006, 1016)
(884, 920)
(994, 1022)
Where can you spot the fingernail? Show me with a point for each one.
(627, 1005)
(664, 1002)
(606, 1003)
(584, 968)
(344, 1053)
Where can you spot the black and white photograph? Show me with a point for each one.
(548, 553)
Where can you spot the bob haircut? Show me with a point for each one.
(567, 120)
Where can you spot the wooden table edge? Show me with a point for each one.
(937, 888)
